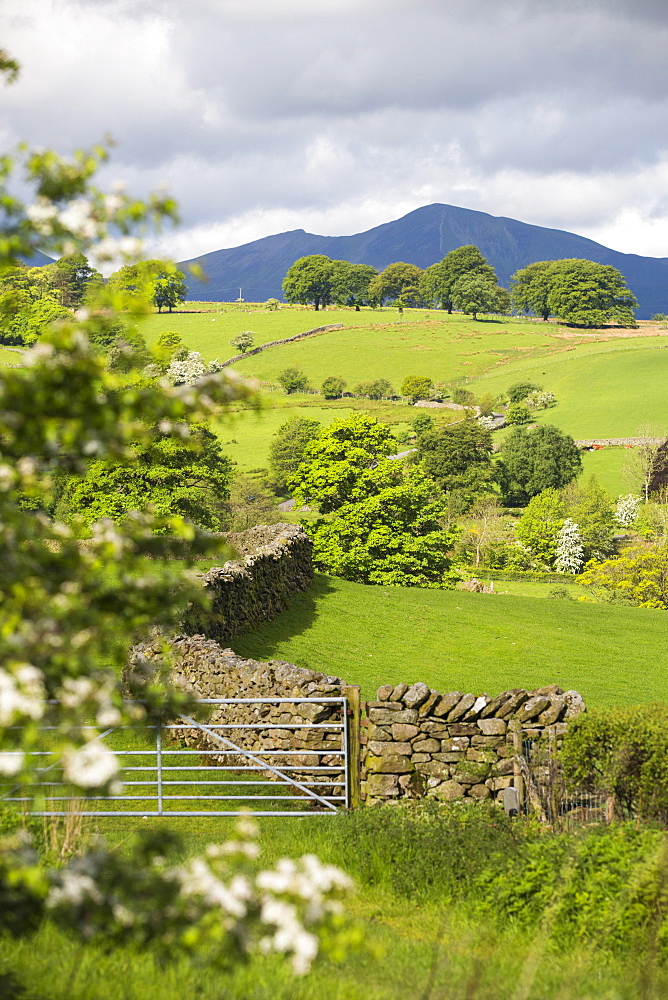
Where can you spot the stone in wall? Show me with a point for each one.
(417, 742)
(275, 564)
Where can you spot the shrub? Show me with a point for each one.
(521, 390)
(293, 380)
(374, 390)
(243, 341)
(332, 387)
(272, 305)
(518, 413)
(464, 397)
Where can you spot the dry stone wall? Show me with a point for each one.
(417, 742)
(276, 563)
(414, 741)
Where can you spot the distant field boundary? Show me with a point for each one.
(286, 340)
(620, 442)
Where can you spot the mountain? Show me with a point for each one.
(422, 237)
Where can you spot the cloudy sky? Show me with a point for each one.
(337, 115)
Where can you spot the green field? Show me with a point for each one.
(471, 642)
(9, 357)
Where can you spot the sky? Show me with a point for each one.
(335, 116)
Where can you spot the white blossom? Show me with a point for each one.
(91, 766)
(74, 889)
(188, 371)
(22, 694)
(570, 551)
(79, 219)
(11, 762)
(627, 509)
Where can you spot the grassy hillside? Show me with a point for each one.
(469, 642)
(8, 357)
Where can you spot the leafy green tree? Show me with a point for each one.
(173, 477)
(518, 413)
(31, 322)
(519, 392)
(486, 404)
(169, 289)
(337, 463)
(396, 279)
(168, 346)
(286, 451)
(417, 387)
(332, 387)
(434, 288)
(593, 510)
(463, 397)
(380, 389)
(585, 293)
(243, 341)
(422, 423)
(458, 457)
(74, 279)
(350, 285)
(310, 279)
(530, 288)
(137, 280)
(392, 536)
(462, 262)
(539, 526)
(293, 380)
(474, 293)
(536, 460)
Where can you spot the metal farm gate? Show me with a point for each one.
(194, 768)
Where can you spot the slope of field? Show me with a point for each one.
(444, 348)
(211, 330)
(469, 642)
(8, 357)
(604, 389)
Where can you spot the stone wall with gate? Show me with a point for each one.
(412, 741)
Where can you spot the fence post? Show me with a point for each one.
(158, 755)
(516, 730)
(351, 693)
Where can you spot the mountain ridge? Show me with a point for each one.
(420, 237)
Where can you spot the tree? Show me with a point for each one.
(627, 509)
(463, 262)
(518, 413)
(474, 293)
(530, 288)
(243, 341)
(396, 279)
(519, 392)
(293, 380)
(73, 278)
(390, 537)
(569, 555)
(380, 389)
(484, 530)
(169, 289)
(536, 460)
(459, 458)
(417, 387)
(332, 387)
(286, 450)
(585, 293)
(639, 575)
(310, 279)
(422, 423)
(350, 284)
(647, 464)
(173, 477)
(593, 510)
(541, 522)
(251, 501)
(337, 464)
(434, 288)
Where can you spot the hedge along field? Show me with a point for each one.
(454, 640)
(603, 390)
